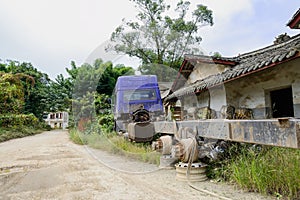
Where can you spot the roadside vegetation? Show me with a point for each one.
(20, 131)
(268, 170)
(101, 138)
(19, 102)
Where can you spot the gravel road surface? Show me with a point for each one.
(50, 166)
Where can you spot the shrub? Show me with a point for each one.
(13, 120)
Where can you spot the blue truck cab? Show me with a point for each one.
(133, 93)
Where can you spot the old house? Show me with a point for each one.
(57, 120)
(253, 97)
(261, 84)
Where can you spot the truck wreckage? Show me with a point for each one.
(192, 139)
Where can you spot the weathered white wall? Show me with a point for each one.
(217, 97)
(252, 91)
(189, 102)
(214, 98)
(204, 70)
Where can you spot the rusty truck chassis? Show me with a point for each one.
(282, 132)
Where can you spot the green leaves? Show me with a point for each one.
(203, 15)
(159, 38)
(12, 92)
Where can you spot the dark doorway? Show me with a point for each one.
(282, 103)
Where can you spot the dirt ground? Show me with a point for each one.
(50, 166)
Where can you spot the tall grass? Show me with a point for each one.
(111, 142)
(273, 170)
(267, 170)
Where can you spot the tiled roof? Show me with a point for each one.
(245, 64)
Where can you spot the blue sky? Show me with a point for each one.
(51, 33)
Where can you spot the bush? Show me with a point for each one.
(20, 125)
(13, 120)
(17, 132)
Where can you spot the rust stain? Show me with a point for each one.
(298, 135)
(284, 122)
(230, 131)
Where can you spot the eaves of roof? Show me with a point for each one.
(191, 60)
(294, 23)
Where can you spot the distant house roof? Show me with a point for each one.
(241, 66)
(294, 23)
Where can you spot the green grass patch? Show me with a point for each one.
(273, 170)
(18, 132)
(76, 136)
(267, 170)
(113, 143)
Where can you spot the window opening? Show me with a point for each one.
(282, 103)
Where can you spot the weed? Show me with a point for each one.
(268, 170)
(8, 133)
(102, 138)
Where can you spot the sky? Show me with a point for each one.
(52, 33)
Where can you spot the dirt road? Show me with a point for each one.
(50, 166)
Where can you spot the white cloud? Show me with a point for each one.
(225, 12)
(51, 33)
(245, 25)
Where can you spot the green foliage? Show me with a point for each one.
(109, 78)
(273, 170)
(106, 122)
(35, 86)
(102, 104)
(11, 98)
(157, 37)
(12, 120)
(104, 112)
(111, 142)
(268, 170)
(163, 73)
(17, 132)
(16, 126)
(83, 107)
(76, 137)
(60, 94)
(216, 55)
(100, 77)
(12, 92)
(92, 87)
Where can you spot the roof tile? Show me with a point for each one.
(244, 64)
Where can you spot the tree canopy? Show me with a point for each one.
(157, 37)
(32, 84)
(12, 92)
(25, 90)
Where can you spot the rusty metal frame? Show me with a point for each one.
(283, 132)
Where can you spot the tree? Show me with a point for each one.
(163, 73)
(60, 94)
(12, 92)
(90, 84)
(35, 97)
(157, 37)
(109, 77)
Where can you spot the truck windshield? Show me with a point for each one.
(140, 94)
